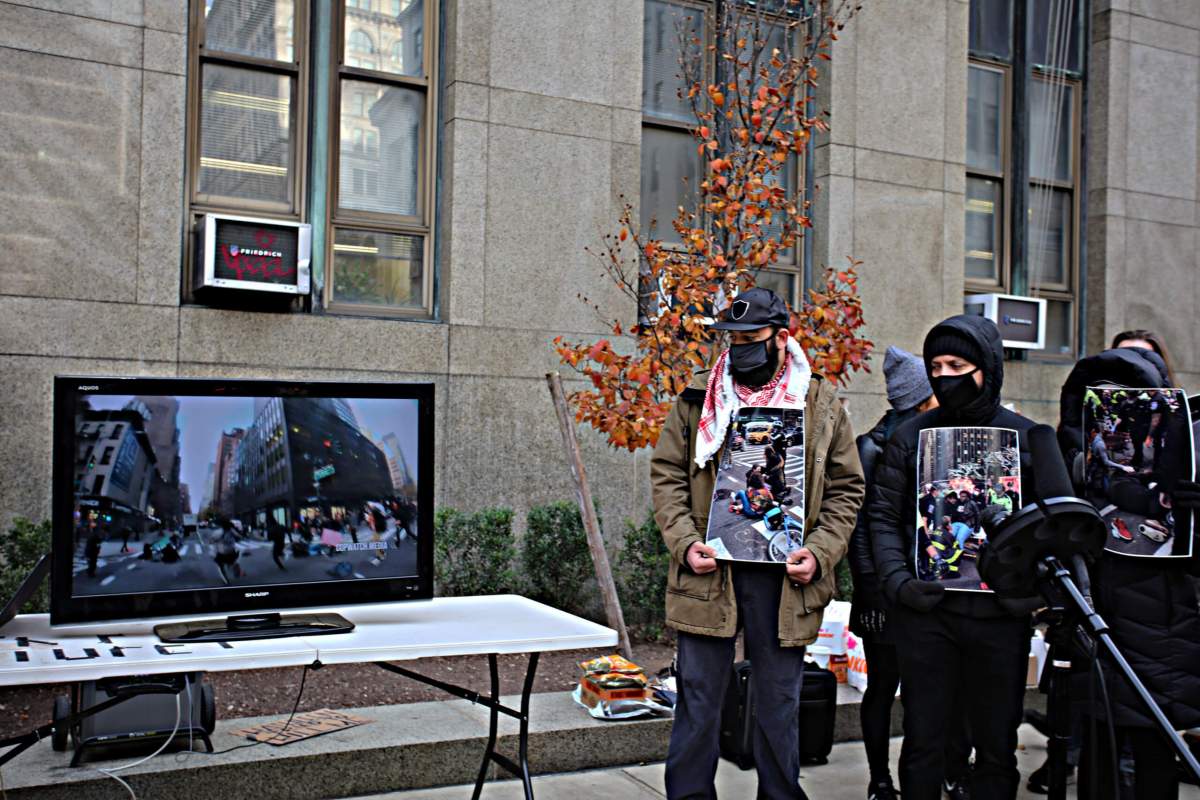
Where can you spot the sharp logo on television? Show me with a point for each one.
(257, 594)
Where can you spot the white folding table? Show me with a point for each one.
(33, 652)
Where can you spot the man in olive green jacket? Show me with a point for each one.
(779, 607)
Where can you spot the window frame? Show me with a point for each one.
(793, 269)
(1068, 291)
(196, 204)
(665, 123)
(1004, 177)
(418, 225)
(1074, 139)
(298, 110)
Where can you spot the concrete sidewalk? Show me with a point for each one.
(843, 778)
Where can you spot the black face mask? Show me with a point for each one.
(754, 363)
(955, 392)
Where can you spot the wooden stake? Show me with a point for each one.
(591, 524)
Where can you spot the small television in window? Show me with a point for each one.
(204, 497)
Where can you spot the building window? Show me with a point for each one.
(107, 457)
(360, 50)
(380, 229)
(250, 127)
(1035, 252)
(247, 86)
(671, 166)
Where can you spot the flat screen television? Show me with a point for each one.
(177, 496)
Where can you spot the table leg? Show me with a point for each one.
(493, 725)
(520, 767)
(523, 740)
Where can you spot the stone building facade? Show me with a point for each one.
(535, 121)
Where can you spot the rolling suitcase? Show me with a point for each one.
(818, 712)
(737, 718)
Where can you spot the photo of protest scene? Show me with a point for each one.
(177, 492)
(758, 500)
(961, 471)
(1138, 445)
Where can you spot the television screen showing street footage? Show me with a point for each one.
(1137, 447)
(757, 509)
(176, 492)
(960, 472)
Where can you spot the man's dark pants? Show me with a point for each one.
(988, 658)
(705, 666)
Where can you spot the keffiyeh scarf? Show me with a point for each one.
(722, 398)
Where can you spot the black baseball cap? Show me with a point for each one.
(753, 309)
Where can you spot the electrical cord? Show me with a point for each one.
(1091, 740)
(112, 771)
(286, 725)
(1112, 733)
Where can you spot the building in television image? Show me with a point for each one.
(293, 489)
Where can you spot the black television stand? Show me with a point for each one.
(268, 625)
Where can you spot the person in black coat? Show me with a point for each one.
(909, 394)
(1149, 604)
(967, 511)
(951, 637)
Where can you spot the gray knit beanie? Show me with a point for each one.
(907, 384)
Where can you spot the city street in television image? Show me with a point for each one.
(960, 472)
(757, 509)
(180, 492)
(1138, 445)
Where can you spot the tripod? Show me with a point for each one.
(1079, 629)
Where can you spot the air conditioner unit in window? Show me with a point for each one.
(250, 254)
(1021, 320)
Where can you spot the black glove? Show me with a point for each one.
(1186, 495)
(871, 620)
(920, 595)
(867, 614)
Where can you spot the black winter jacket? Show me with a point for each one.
(893, 499)
(868, 595)
(1150, 604)
(870, 448)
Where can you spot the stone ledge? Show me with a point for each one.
(410, 746)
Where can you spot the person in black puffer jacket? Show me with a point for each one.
(951, 638)
(909, 394)
(1150, 604)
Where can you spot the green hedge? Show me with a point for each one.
(475, 553)
(556, 560)
(641, 574)
(19, 551)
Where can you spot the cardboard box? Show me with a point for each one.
(592, 695)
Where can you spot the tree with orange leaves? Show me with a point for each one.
(752, 120)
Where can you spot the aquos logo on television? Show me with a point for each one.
(255, 254)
